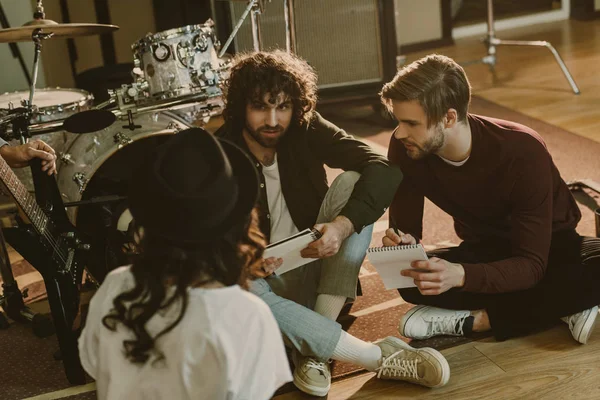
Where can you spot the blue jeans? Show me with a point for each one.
(292, 295)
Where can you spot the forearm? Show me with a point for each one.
(7, 153)
(508, 275)
(345, 226)
(372, 195)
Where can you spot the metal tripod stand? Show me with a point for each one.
(491, 42)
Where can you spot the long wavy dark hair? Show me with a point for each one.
(253, 75)
(231, 259)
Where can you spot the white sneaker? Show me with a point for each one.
(400, 361)
(423, 322)
(311, 376)
(582, 324)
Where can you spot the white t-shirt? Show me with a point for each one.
(282, 225)
(227, 346)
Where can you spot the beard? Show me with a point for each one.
(430, 146)
(265, 140)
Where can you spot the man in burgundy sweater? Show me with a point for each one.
(519, 267)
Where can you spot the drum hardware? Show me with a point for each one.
(97, 201)
(131, 125)
(66, 158)
(123, 140)
(80, 179)
(256, 7)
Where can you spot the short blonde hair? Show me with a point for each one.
(437, 82)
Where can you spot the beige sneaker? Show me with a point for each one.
(400, 361)
(310, 375)
(582, 324)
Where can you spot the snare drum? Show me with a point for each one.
(52, 104)
(181, 61)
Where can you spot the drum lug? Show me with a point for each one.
(121, 139)
(174, 126)
(66, 158)
(80, 179)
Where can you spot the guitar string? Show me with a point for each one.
(34, 207)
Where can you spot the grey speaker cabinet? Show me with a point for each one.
(350, 43)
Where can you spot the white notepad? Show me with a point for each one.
(389, 261)
(289, 249)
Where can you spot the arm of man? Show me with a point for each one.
(379, 179)
(19, 156)
(531, 233)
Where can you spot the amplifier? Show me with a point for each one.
(350, 43)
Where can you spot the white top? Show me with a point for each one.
(227, 346)
(282, 225)
(455, 163)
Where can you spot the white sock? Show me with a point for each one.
(355, 351)
(329, 305)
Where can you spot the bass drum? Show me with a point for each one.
(97, 173)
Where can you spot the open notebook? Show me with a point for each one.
(389, 261)
(289, 249)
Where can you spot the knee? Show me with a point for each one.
(338, 194)
(345, 181)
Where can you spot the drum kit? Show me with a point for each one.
(176, 83)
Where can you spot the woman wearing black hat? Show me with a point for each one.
(176, 324)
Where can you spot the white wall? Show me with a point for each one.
(596, 5)
(12, 77)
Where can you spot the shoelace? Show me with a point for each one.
(392, 366)
(318, 365)
(572, 319)
(447, 325)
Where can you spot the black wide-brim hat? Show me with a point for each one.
(193, 188)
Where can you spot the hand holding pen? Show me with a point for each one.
(394, 237)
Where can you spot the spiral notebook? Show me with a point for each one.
(289, 249)
(389, 261)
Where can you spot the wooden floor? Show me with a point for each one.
(549, 365)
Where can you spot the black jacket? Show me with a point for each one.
(301, 156)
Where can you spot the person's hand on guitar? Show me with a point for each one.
(19, 156)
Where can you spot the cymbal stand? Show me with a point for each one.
(254, 8)
(290, 26)
(12, 298)
(491, 42)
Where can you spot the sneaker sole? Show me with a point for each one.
(404, 321)
(444, 364)
(310, 389)
(587, 328)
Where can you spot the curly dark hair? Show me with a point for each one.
(253, 75)
(228, 260)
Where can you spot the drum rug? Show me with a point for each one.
(373, 315)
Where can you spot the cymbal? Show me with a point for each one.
(23, 33)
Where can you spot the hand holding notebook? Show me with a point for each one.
(289, 250)
(389, 261)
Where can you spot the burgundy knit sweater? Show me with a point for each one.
(509, 191)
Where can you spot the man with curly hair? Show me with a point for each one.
(270, 113)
